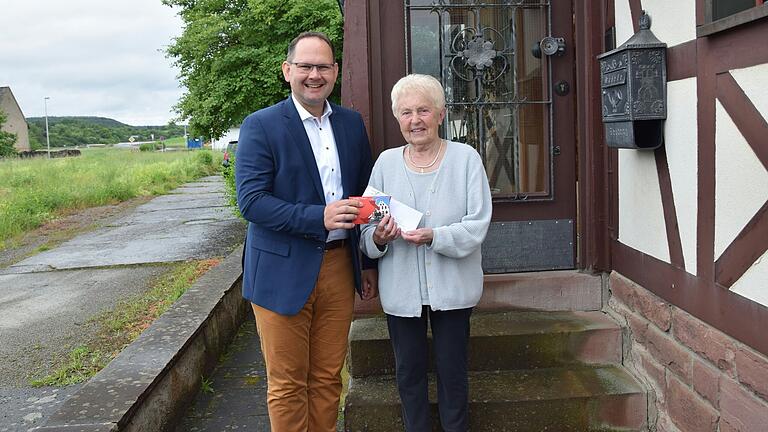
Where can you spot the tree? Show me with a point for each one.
(230, 55)
(7, 139)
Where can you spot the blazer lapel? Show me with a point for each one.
(296, 130)
(342, 147)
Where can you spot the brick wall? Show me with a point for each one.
(702, 379)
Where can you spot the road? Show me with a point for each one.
(47, 300)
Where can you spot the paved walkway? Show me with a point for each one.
(47, 300)
(237, 399)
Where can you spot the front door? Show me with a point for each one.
(507, 70)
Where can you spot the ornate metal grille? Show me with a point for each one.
(497, 93)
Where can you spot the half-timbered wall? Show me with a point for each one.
(691, 216)
(689, 222)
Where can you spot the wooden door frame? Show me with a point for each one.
(596, 223)
(381, 59)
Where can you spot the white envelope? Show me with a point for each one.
(407, 218)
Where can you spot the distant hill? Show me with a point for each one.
(73, 131)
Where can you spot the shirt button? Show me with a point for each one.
(428, 213)
(319, 248)
(327, 148)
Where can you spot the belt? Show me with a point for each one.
(333, 244)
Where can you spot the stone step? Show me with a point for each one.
(562, 290)
(504, 340)
(573, 399)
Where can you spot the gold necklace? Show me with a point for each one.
(421, 167)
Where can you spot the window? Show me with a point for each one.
(725, 14)
(724, 8)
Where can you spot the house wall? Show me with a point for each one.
(16, 123)
(233, 134)
(690, 231)
(702, 379)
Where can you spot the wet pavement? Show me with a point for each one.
(47, 300)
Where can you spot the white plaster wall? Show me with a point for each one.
(232, 134)
(673, 22)
(754, 283)
(741, 181)
(641, 215)
(681, 145)
(624, 28)
(754, 81)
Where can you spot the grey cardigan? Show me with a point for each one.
(459, 212)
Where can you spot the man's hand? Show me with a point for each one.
(340, 214)
(386, 231)
(370, 284)
(419, 236)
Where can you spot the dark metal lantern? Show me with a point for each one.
(633, 81)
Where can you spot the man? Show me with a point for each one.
(296, 161)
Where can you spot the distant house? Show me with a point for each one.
(231, 135)
(15, 123)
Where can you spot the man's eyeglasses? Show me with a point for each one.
(307, 67)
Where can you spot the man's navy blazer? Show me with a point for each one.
(280, 194)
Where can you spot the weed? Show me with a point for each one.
(83, 362)
(124, 323)
(206, 385)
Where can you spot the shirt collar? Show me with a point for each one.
(304, 114)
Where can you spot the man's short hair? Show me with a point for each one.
(311, 34)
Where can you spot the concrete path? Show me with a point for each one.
(46, 301)
(237, 399)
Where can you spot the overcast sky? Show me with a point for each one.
(91, 57)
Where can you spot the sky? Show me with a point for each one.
(91, 58)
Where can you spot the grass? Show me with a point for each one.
(176, 142)
(120, 326)
(34, 191)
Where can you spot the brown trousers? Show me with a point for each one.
(305, 353)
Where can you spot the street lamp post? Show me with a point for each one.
(47, 135)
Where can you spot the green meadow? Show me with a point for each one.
(34, 191)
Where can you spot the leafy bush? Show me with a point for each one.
(7, 139)
(204, 157)
(147, 147)
(228, 172)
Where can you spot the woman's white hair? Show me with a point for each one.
(425, 85)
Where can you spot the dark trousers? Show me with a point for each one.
(450, 334)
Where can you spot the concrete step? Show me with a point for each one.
(504, 340)
(574, 399)
(563, 290)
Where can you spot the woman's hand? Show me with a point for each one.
(370, 288)
(385, 231)
(420, 236)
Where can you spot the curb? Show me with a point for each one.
(151, 383)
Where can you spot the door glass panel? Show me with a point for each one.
(497, 93)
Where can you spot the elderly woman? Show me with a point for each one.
(432, 274)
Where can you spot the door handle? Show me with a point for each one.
(549, 46)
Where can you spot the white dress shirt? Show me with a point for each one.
(323, 144)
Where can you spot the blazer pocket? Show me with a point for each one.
(275, 246)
